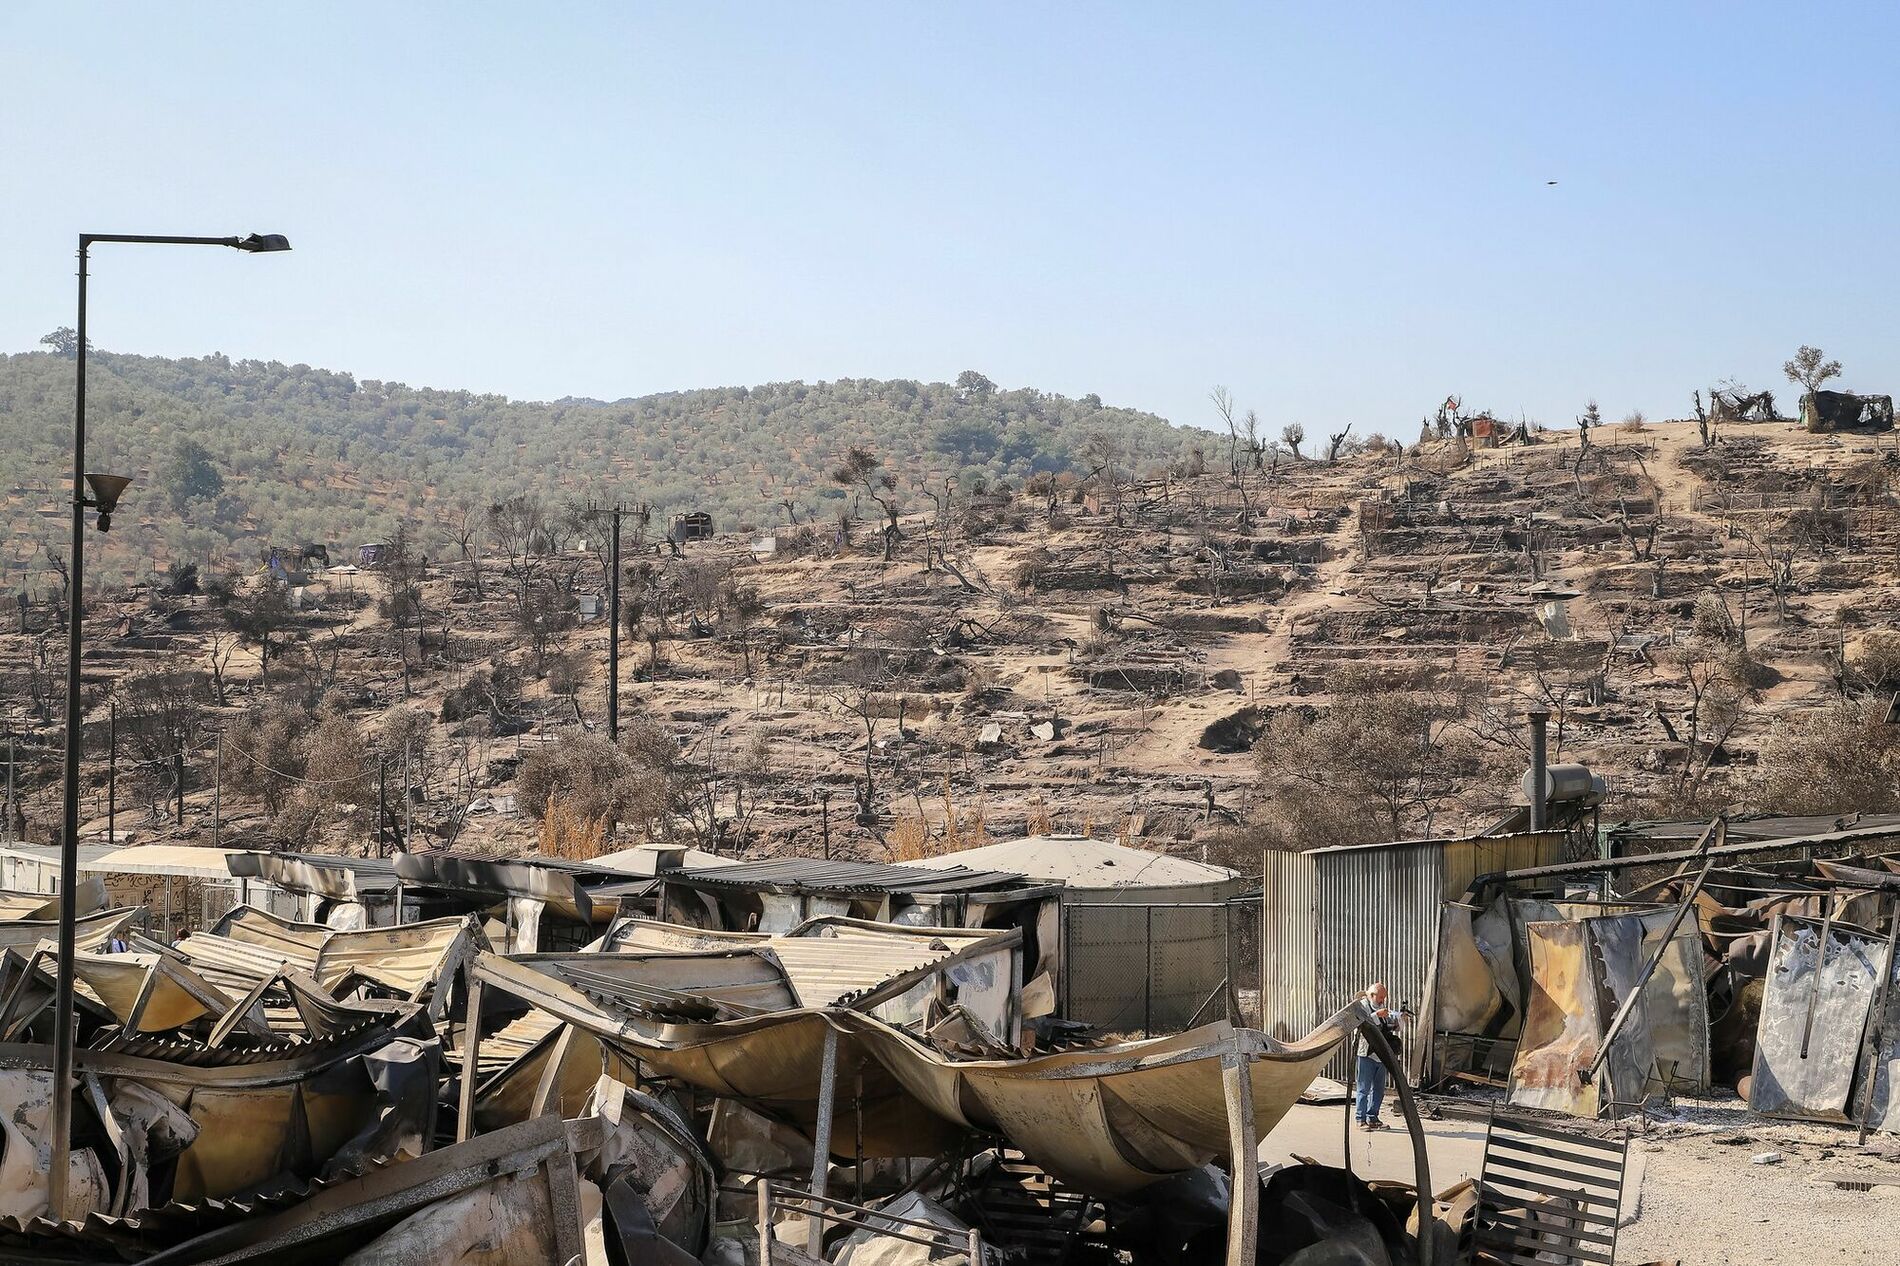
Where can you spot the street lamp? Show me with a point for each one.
(106, 490)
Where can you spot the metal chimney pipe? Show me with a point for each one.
(1540, 765)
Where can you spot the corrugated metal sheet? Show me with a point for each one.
(1466, 859)
(1289, 945)
(1377, 920)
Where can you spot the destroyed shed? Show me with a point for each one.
(1337, 919)
(338, 891)
(1129, 914)
(1763, 965)
(530, 903)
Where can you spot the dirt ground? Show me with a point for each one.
(1691, 1195)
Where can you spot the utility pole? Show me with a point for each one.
(408, 802)
(178, 782)
(112, 772)
(10, 801)
(217, 795)
(613, 633)
(824, 818)
(382, 805)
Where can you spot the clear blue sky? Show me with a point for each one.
(1340, 211)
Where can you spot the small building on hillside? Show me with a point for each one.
(694, 525)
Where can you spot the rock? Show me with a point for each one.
(1765, 1158)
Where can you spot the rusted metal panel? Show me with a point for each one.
(1814, 1014)
(1564, 1023)
(1466, 859)
(1580, 972)
(1289, 945)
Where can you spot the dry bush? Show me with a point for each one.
(582, 775)
(1838, 759)
(1713, 621)
(909, 839)
(1875, 663)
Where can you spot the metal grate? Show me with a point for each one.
(1549, 1195)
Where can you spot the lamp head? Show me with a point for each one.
(106, 491)
(260, 243)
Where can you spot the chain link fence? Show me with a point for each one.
(1145, 968)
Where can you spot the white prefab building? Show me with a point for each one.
(1146, 936)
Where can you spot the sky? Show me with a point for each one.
(1341, 212)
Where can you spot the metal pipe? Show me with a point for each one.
(1421, 1161)
(1540, 765)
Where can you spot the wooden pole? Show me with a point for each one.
(821, 1143)
(471, 1045)
(1243, 1148)
(765, 1222)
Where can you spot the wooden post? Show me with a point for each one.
(765, 1222)
(471, 1045)
(976, 1247)
(821, 1144)
(1243, 1149)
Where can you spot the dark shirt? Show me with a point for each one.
(1389, 1025)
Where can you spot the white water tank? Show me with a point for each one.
(1568, 784)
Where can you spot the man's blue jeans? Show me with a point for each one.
(1370, 1095)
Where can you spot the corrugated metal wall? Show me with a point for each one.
(1289, 945)
(1335, 921)
(1378, 920)
(1144, 964)
(1465, 860)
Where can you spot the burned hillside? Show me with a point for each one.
(1127, 657)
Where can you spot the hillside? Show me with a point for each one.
(1327, 652)
(292, 454)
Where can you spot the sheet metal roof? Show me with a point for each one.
(1076, 861)
(828, 960)
(1759, 827)
(164, 859)
(329, 874)
(652, 859)
(806, 874)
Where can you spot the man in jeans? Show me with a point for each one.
(1370, 1072)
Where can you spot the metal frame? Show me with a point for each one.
(1525, 1161)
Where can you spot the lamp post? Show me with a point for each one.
(106, 490)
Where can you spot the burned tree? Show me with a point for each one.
(401, 578)
(861, 470)
(861, 685)
(464, 525)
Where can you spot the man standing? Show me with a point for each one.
(1370, 1073)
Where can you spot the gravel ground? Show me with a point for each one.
(1705, 1204)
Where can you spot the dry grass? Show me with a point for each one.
(567, 832)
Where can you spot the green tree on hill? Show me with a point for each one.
(189, 474)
